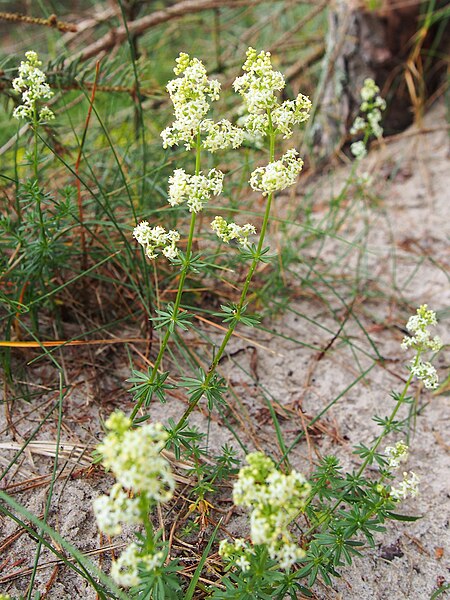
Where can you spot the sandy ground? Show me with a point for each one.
(399, 247)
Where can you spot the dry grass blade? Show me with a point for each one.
(57, 343)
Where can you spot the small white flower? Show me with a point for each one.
(190, 95)
(134, 456)
(358, 149)
(195, 190)
(231, 231)
(421, 342)
(372, 104)
(125, 570)
(31, 84)
(286, 555)
(290, 113)
(359, 124)
(409, 486)
(275, 499)
(114, 510)
(243, 563)
(156, 238)
(277, 175)
(426, 373)
(260, 82)
(221, 135)
(396, 454)
(369, 90)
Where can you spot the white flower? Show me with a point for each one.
(190, 95)
(31, 84)
(290, 113)
(178, 187)
(374, 118)
(153, 238)
(409, 485)
(124, 570)
(369, 90)
(277, 175)
(114, 510)
(358, 149)
(397, 454)
(286, 555)
(134, 456)
(260, 82)
(423, 318)
(359, 124)
(275, 499)
(255, 125)
(243, 563)
(421, 342)
(372, 104)
(426, 373)
(231, 231)
(195, 190)
(221, 135)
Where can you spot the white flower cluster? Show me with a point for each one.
(125, 570)
(421, 341)
(258, 87)
(418, 324)
(396, 454)
(195, 190)
(276, 500)
(134, 457)
(259, 84)
(290, 113)
(278, 174)
(239, 551)
(116, 509)
(358, 149)
(153, 238)
(372, 104)
(32, 85)
(190, 95)
(231, 231)
(409, 485)
(221, 135)
(425, 371)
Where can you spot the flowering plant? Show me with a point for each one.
(299, 529)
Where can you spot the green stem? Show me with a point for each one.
(183, 275)
(35, 149)
(244, 292)
(369, 457)
(36, 176)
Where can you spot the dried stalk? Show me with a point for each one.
(52, 21)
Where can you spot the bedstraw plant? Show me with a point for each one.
(300, 528)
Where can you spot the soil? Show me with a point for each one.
(318, 351)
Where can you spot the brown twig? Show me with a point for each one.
(52, 21)
(116, 36)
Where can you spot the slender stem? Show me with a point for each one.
(35, 149)
(240, 305)
(36, 176)
(369, 456)
(183, 275)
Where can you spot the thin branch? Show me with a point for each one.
(52, 21)
(117, 36)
